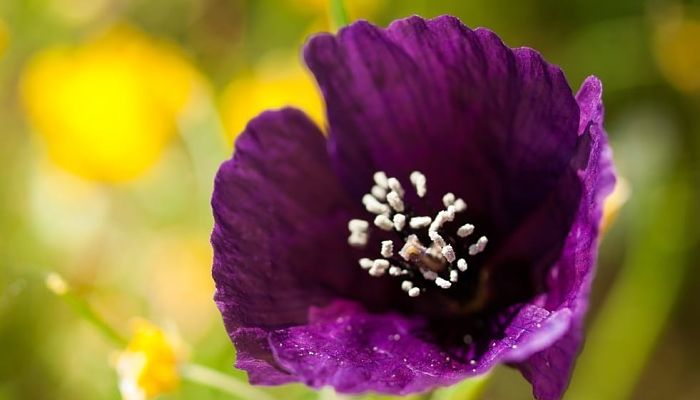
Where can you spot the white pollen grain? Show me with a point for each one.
(381, 179)
(462, 264)
(479, 246)
(395, 201)
(442, 283)
(399, 222)
(358, 225)
(383, 222)
(366, 263)
(378, 192)
(358, 239)
(454, 276)
(460, 205)
(448, 199)
(387, 248)
(420, 222)
(449, 253)
(465, 230)
(414, 292)
(395, 185)
(406, 286)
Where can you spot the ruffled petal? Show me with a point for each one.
(570, 278)
(355, 351)
(493, 125)
(280, 233)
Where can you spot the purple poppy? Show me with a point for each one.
(447, 224)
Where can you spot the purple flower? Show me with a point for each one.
(479, 251)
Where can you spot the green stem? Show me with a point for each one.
(215, 379)
(81, 307)
(339, 17)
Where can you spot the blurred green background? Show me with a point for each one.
(114, 115)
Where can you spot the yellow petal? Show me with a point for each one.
(107, 108)
(149, 365)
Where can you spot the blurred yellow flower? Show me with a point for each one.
(613, 204)
(149, 365)
(677, 48)
(106, 109)
(277, 83)
(3, 37)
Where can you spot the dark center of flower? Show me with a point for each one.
(429, 254)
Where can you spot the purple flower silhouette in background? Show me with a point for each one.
(447, 224)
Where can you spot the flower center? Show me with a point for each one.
(439, 260)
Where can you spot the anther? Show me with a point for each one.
(373, 205)
(419, 182)
(462, 264)
(395, 201)
(465, 230)
(378, 192)
(436, 238)
(379, 267)
(448, 199)
(460, 205)
(454, 276)
(358, 225)
(444, 284)
(358, 239)
(381, 179)
(395, 271)
(399, 221)
(366, 263)
(383, 222)
(414, 292)
(387, 248)
(479, 246)
(449, 253)
(419, 222)
(395, 185)
(406, 286)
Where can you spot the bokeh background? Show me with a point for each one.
(114, 115)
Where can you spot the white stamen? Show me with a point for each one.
(358, 239)
(358, 225)
(460, 205)
(419, 222)
(406, 286)
(419, 182)
(436, 238)
(462, 264)
(387, 248)
(366, 263)
(395, 185)
(445, 284)
(373, 205)
(449, 253)
(465, 230)
(399, 221)
(395, 201)
(381, 179)
(448, 199)
(383, 222)
(395, 271)
(479, 246)
(428, 274)
(379, 267)
(414, 292)
(378, 192)
(454, 275)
